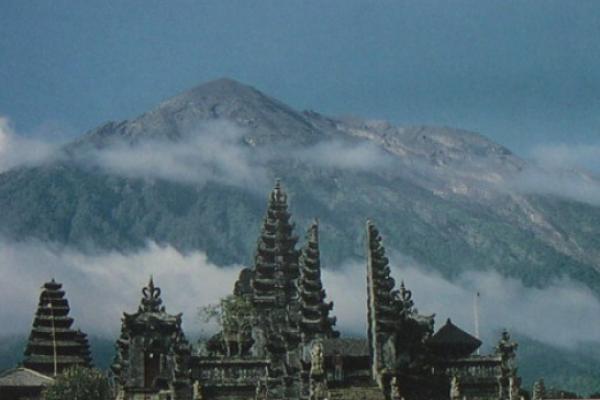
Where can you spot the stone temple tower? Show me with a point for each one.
(153, 354)
(53, 344)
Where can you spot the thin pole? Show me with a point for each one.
(53, 339)
(476, 315)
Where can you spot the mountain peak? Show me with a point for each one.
(222, 87)
(264, 118)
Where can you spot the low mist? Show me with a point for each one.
(101, 287)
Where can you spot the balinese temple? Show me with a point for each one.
(274, 296)
(288, 348)
(293, 351)
(153, 355)
(53, 344)
(396, 333)
(409, 362)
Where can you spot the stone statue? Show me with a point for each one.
(506, 348)
(455, 388)
(317, 360)
(539, 390)
(318, 391)
(395, 392)
(262, 392)
(197, 390)
(513, 388)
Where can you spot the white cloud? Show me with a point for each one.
(345, 155)
(567, 184)
(566, 156)
(101, 287)
(564, 171)
(562, 314)
(213, 152)
(16, 150)
(217, 151)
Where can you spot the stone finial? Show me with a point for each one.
(151, 302)
(277, 194)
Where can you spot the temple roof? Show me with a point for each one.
(276, 262)
(151, 311)
(52, 335)
(23, 377)
(450, 335)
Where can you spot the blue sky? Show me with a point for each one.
(520, 72)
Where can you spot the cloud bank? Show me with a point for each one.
(17, 150)
(220, 151)
(566, 156)
(562, 314)
(571, 184)
(100, 287)
(565, 171)
(212, 152)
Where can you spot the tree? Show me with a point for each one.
(79, 383)
(234, 314)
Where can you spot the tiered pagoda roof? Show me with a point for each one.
(276, 260)
(53, 345)
(382, 304)
(315, 320)
(391, 312)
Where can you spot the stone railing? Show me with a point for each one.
(474, 366)
(230, 372)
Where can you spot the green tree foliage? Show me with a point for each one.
(79, 383)
(234, 315)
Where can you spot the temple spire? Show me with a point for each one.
(315, 321)
(276, 261)
(381, 316)
(53, 345)
(395, 329)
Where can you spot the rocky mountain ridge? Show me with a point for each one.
(443, 195)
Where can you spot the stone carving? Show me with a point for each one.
(316, 360)
(395, 392)
(455, 392)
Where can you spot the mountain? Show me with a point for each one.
(446, 198)
(442, 196)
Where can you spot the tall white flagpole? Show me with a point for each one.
(53, 339)
(476, 316)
